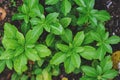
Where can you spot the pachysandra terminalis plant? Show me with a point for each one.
(60, 34)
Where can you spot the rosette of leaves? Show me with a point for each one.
(103, 41)
(20, 49)
(63, 6)
(28, 10)
(50, 23)
(70, 53)
(89, 15)
(103, 71)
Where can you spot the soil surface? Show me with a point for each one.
(113, 26)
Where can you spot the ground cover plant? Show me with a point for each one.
(62, 34)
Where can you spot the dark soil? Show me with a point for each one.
(113, 26)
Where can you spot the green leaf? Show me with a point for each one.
(51, 2)
(8, 54)
(32, 54)
(19, 50)
(24, 9)
(42, 50)
(67, 36)
(89, 53)
(2, 66)
(108, 47)
(110, 74)
(9, 64)
(101, 51)
(102, 15)
(113, 39)
(25, 27)
(79, 49)
(20, 38)
(52, 17)
(20, 64)
(88, 38)
(89, 71)
(58, 58)
(69, 67)
(33, 35)
(82, 19)
(65, 7)
(9, 31)
(24, 77)
(95, 36)
(80, 3)
(62, 47)
(18, 16)
(56, 28)
(50, 39)
(106, 64)
(46, 75)
(93, 20)
(87, 78)
(65, 22)
(90, 3)
(99, 70)
(78, 39)
(10, 43)
(75, 59)
(35, 21)
(33, 3)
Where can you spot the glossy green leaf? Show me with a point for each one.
(19, 50)
(67, 36)
(20, 64)
(82, 19)
(102, 15)
(25, 9)
(99, 70)
(52, 17)
(108, 47)
(8, 54)
(42, 50)
(9, 64)
(89, 71)
(65, 22)
(62, 47)
(101, 51)
(113, 39)
(58, 58)
(9, 43)
(65, 7)
(89, 53)
(50, 39)
(46, 75)
(78, 39)
(51, 2)
(18, 16)
(33, 35)
(2, 66)
(110, 74)
(80, 3)
(57, 28)
(75, 59)
(35, 21)
(69, 67)
(20, 38)
(32, 54)
(95, 36)
(90, 3)
(9, 31)
(106, 64)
